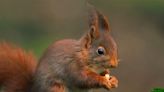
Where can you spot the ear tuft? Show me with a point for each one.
(103, 22)
(97, 19)
(98, 23)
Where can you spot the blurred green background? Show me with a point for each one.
(137, 26)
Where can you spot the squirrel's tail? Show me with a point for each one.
(16, 69)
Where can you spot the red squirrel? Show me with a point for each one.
(66, 66)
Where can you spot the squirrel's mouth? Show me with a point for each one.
(102, 68)
(105, 72)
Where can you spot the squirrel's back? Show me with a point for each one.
(16, 68)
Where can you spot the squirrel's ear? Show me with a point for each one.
(93, 24)
(98, 21)
(88, 38)
(103, 22)
(93, 32)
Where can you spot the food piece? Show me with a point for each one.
(107, 76)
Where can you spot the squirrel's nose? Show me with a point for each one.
(113, 63)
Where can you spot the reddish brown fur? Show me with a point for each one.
(67, 65)
(16, 68)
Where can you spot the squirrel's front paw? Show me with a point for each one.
(110, 82)
(113, 81)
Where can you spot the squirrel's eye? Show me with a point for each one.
(100, 51)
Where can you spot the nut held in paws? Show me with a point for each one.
(107, 76)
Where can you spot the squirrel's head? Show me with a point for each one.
(98, 42)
